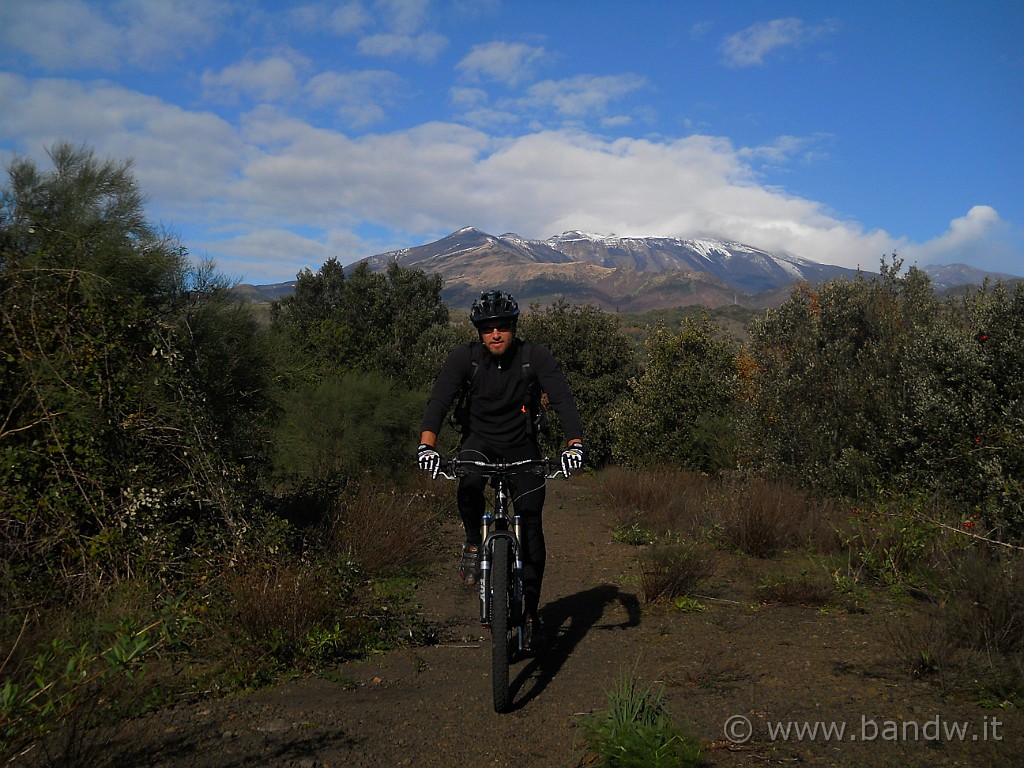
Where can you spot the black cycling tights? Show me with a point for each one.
(527, 499)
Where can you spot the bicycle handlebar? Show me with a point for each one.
(452, 469)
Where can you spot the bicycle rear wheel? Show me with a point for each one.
(502, 627)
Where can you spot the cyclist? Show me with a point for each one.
(496, 375)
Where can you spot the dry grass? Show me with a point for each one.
(761, 518)
(278, 608)
(807, 588)
(661, 501)
(386, 530)
(985, 601)
(970, 636)
(674, 570)
(758, 517)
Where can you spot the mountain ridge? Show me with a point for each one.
(629, 274)
(619, 273)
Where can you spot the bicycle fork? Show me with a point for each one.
(490, 530)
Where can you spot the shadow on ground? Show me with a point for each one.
(568, 620)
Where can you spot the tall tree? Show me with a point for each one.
(112, 452)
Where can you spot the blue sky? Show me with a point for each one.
(271, 136)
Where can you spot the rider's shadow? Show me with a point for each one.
(567, 621)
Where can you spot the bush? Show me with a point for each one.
(597, 359)
(283, 610)
(386, 530)
(363, 321)
(680, 409)
(887, 545)
(970, 634)
(762, 517)
(896, 391)
(351, 426)
(806, 588)
(131, 391)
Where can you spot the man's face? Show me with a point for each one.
(496, 336)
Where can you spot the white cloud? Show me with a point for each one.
(183, 158)
(276, 193)
(425, 47)
(360, 98)
(784, 149)
(980, 238)
(249, 253)
(75, 35)
(349, 18)
(405, 17)
(508, 63)
(403, 30)
(750, 46)
(581, 95)
(272, 78)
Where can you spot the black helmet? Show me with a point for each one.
(493, 305)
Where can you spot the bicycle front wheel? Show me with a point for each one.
(502, 628)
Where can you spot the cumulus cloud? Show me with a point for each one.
(349, 18)
(424, 47)
(404, 16)
(182, 179)
(75, 35)
(274, 193)
(980, 232)
(750, 46)
(359, 98)
(508, 63)
(581, 95)
(267, 79)
(571, 99)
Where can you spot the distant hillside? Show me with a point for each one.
(256, 293)
(619, 274)
(946, 276)
(626, 274)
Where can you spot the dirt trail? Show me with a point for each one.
(431, 706)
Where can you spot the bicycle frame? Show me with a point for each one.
(501, 590)
(497, 522)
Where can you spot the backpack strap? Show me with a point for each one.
(459, 418)
(529, 375)
(534, 407)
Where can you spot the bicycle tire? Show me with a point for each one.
(501, 622)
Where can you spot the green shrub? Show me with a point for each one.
(55, 695)
(635, 731)
(887, 546)
(349, 426)
(361, 321)
(132, 392)
(680, 409)
(875, 385)
(597, 359)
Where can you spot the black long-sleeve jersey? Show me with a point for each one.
(498, 391)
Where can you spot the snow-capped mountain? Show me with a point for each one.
(630, 274)
(626, 273)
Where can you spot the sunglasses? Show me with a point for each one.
(503, 327)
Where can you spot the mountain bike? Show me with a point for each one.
(501, 563)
